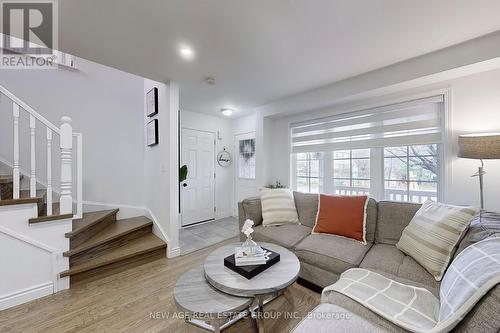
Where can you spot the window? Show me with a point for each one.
(391, 152)
(309, 166)
(411, 173)
(351, 171)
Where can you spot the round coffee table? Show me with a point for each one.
(263, 288)
(206, 307)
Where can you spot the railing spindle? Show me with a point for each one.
(49, 171)
(33, 158)
(15, 171)
(66, 145)
(79, 176)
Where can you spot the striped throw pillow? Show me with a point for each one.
(278, 207)
(433, 235)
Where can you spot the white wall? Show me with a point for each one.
(224, 180)
(475, 107)
(31, 255)
(244, 124)
(106, 105)
(160, 180)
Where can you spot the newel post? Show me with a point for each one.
(66, 199)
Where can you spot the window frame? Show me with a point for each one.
(309, 177)
(350, 178)
(377, 179)
(377, 191)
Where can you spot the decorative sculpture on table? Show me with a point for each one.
(250, 248)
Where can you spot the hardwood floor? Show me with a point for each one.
(125, 301)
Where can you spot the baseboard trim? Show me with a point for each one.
(131, 211)
(172, 253)
(26, 295)
(157, 228)
(125, 211)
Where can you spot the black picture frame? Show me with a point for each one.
(152, 102)
(152, 132)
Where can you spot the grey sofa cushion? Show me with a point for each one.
(318, 276)
(484, 225)
(387, 258)
(285, 235)
(307, 207)
(371, 220)
(253, 210)
(331, 253)
(392, 218)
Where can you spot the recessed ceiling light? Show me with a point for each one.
(210, 80)
(186, 52)
(227, 112)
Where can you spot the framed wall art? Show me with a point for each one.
(246, 156)
(152, 102)
(152, 132)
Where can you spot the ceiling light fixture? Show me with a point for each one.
(186, 52)
(227, 112)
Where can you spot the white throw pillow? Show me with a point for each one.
(278, 207)
(432, 236)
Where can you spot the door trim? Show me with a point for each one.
(181, 225)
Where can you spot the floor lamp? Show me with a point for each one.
(481, 147)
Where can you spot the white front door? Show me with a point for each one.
(245, 182)
(198, 190)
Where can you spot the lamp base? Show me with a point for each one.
(480, 173)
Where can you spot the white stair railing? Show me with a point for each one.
(66, 136)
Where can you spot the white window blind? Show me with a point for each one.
(409, 123)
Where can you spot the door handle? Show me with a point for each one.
(184, 184)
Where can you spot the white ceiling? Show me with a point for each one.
(260, 50)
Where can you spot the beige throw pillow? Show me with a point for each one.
(278, 207)
(433, 234)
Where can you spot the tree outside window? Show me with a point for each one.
(411, 173)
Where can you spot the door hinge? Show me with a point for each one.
(215, 175)
(215, 209)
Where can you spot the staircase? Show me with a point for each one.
(98, 241)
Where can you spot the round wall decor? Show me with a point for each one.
(224, 158)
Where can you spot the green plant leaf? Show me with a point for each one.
(183, 172)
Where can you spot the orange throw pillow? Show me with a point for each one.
(342, 216)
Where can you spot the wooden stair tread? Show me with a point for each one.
(88, 220)
(24, 197)
(6, 179)
(138, 246)
(111, 232)
(56, 215)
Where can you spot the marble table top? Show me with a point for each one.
(193, 294)
(277, 277)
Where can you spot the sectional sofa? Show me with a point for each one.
(324, 257)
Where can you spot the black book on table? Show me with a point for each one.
(251, 270)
